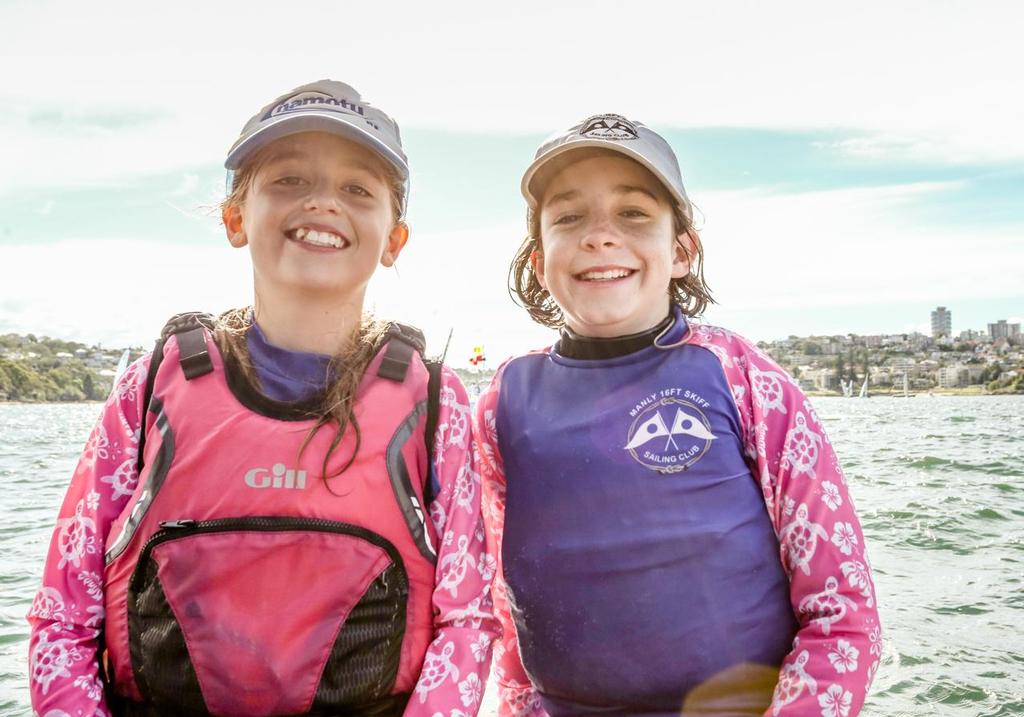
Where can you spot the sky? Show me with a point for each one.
(852, 167)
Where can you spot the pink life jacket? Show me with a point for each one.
(240, 582)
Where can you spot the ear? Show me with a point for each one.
(232, 218)
(684, 247)
(396, 241)
(537, 262)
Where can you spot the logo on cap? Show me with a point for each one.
(609, 127)
(320, 102)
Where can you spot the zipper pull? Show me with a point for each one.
(177, 524)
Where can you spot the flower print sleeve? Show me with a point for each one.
(837, 648)
(67, 615)
(516, 695)
(457, 663)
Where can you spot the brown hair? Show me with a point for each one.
(690, 292)
(337, 404)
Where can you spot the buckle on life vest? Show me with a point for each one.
(190, 330)
(403, 342)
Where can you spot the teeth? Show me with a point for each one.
(600, 275)
(323, 239)
(319, 238)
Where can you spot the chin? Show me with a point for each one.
(602, 325)
(617, 322)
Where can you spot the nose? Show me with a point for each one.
(321, 197)
(600, 234)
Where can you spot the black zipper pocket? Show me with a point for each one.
(185, 527)
(191, 603)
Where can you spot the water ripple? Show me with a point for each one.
(937, 482)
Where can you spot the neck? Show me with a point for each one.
(308, 323)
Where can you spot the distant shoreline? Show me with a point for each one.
(944, 393)
(964, 391)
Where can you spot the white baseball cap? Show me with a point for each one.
(322, 106)
(618, 134)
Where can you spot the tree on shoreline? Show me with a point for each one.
(73, 381)
(43, 369)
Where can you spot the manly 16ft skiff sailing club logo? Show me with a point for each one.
(609, 127)
(669, 434)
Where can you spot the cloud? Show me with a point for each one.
(120, 292)
(59, 119)
(952, 146)
(115, 291)
(41, 156)
(768, 257)
(110, 99)
(187, 188)
(850, 247)
(457, 281)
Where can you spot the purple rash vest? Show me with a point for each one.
(286, 375)
(639, 557)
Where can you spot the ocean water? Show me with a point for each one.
(938, 481)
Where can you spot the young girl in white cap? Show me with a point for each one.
(277, 512)
(673, 530)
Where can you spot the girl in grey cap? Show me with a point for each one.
(264, 521)
(673, 531)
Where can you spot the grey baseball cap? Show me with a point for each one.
(322, 106)
(615, 133)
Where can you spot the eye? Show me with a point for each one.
(290, 181)
(634, 213)
(566, 219)
(358, 190)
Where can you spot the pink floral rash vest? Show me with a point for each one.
(828, 664)
(66, 617)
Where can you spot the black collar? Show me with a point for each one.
(572, 345)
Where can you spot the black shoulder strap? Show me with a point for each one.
(398, 354)
(405, 342)
(190, 329)
(433, 407)
(154, 363)
(195, 358)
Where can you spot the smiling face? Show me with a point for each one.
(318, 219)
(608, 246)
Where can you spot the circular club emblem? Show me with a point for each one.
(669, 436)
(609, 127)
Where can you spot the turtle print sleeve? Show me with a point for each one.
(458, 660)
(837, 647)
(66, 617)
(516, 695)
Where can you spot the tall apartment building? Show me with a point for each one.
(942, 322)
(1003, 330)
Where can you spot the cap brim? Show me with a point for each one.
(621, 148)
(311, 121)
